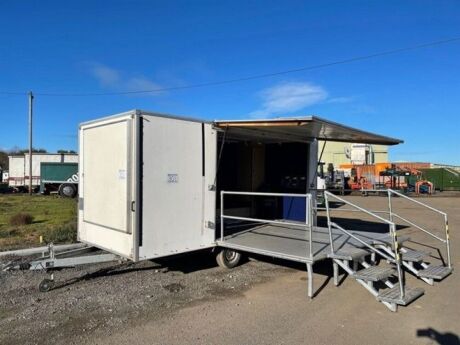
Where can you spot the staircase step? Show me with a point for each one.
(350, 253)
(414, 255)
(435, 272)
(374, 273)
(393, 296)
(389, 241)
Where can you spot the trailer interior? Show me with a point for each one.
(261, 166)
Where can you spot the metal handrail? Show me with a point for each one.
(308, 213)
(416, 201)
(418, 227)
(392, 214)
(375, 250)
(263, 194)
(357, 207)
(392, 231)
(349, 210)
(446, 222)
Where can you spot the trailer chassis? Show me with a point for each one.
(54, 259)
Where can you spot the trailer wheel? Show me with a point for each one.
(67, 190)
(45, 285)
(227, 258)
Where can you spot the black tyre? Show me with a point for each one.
(67, 190)
(227, 258)
(45, 285)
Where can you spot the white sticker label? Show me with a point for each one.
(173, 178)
(122, 174)
(73, 178)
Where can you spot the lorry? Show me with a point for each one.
(19, 168)
(60, 178)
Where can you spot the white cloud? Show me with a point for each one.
(141, 83)
(289, 97)
(340, 100)
(105, 75)
(114, 79)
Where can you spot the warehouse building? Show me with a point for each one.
(339, 153)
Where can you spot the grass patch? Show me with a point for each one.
(62, 234)
(21, 218)
(53, 218)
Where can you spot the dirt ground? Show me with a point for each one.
(188, 300)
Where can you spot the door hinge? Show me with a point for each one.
(212, 187)
(210, 225)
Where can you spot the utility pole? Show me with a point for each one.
(31, 99)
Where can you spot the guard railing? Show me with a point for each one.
(392, 214)
(308, 214)
(392, 233)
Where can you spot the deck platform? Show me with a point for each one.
(292, 242)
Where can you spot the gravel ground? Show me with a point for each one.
(105, 297)
(190, 300)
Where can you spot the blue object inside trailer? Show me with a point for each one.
(294, 209)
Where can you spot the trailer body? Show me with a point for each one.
(145, 185)
(19, 167)
(149, 181)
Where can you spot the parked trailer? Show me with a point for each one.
(155, 185)
(19, 167)
(61, 178)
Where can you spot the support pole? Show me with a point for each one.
(390, 208)
(310, 279)
(335, 267)
(31, 98)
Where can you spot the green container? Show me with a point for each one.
(442, 178)
(58, 173)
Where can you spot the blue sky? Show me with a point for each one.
(100, 46)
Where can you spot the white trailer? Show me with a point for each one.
(154, 185)
(16, 171)
(19, 167)
(5, 176)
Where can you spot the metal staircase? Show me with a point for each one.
(385, 279)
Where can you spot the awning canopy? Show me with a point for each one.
(302, 129)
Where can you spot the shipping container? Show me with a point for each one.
(443, 179)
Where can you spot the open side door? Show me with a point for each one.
(179, 164)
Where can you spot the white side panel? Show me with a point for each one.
(38, 158)
(176, 201)
(105, 169)
(209, 231)
(70, 158)
(16, 170)
(106, 175)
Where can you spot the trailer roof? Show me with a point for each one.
(301, 129)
